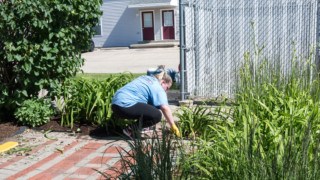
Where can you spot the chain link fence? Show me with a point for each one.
(215, 34)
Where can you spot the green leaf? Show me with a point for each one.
(26, 67)
(18, 57)
(51, 35)
(24, 92)
(46, 48)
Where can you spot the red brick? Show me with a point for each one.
(115, 171)
(18, 158)
(113, 149)
(100, 160)
(42, 176)
(93, 145)
(112, 174)
(61, 167)
(85, 171)
(43, 161)
(71, 160)
(80, 154)
(118, 165)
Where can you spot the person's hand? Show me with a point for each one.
(175, 130)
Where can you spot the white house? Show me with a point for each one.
(126, 22)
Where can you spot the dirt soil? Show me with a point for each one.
(9, 129)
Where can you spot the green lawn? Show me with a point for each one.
(100, 76)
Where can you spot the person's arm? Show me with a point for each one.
(168, 115)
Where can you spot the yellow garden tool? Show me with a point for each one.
(7, 146)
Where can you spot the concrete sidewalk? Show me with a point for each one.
(118, 60)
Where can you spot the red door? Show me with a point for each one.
(147, 26)
(168, 24)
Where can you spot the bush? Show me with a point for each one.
(40, 45)
(34, 112)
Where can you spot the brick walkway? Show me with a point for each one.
(68, 157)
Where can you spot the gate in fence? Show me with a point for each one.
(215, 34)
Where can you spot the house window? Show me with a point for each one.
(97, 29)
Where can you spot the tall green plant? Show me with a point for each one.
(152, 158)
(40, 45)
(194, 121)
(89, 100)
(275, 129)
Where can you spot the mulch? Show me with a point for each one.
(9, 129)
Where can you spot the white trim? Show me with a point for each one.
(153, 19)
(161, 22)
(174, 2)
(101, 29)
(153, 5)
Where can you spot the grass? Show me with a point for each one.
(101, 76)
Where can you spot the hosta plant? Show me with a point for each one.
(34, 112)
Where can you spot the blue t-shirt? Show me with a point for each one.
(144, 89)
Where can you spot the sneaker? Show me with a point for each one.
(128, 132)
(148, 129)
(145, 130)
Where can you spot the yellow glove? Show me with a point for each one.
(175, 130)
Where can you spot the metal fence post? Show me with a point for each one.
(182, 50)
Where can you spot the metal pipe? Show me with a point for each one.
(182, 50)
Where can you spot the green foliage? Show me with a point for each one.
(274, 132)
(89, 100)
(194, 121)
(152, 158)
(40, 45)
(34, 112)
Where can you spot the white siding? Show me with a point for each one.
(121, 26)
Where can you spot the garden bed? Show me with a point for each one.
(9, 129)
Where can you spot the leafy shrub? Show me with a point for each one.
(89, 100)
(40, 45)
(34, 112)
